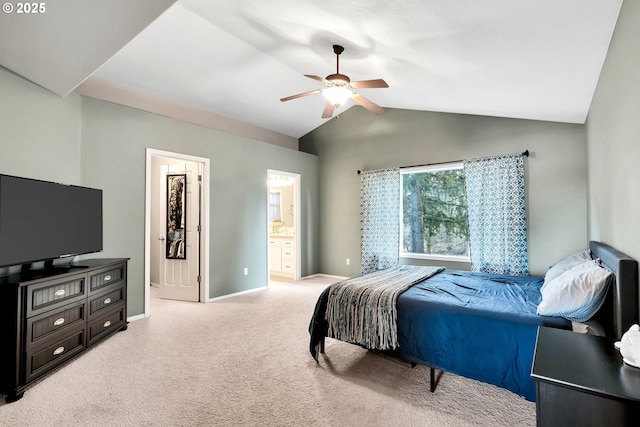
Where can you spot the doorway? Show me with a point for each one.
(283, 227)
(176, 227)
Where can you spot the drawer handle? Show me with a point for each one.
(58, 351)
(107, 277)
(107, 324)
(60, 292)
(107, 301)
(59, 322)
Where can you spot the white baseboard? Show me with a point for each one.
(235, 294)
(134, 318)
(330, 276)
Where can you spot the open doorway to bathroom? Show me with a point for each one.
(283, 216)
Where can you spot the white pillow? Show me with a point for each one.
(566, 264)
(576, 294)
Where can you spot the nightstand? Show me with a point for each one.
(582, 381)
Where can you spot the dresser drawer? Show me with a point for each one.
(107, 277)
(105, 324)
(46, 296)
(55, 322)
(106, 300)
(42, 360)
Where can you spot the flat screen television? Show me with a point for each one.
(43, 221)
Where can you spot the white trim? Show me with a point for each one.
(328, 276)
(136, 317)
(236, 294)
(452, 258)
(433, 168)
(417, 169)
(206, 209)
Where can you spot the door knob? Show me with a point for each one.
(161, 238)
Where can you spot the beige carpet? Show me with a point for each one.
(244, 361)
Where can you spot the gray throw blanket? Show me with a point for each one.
(362, 310)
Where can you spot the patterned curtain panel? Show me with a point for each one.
(380, 219)
(497, 215)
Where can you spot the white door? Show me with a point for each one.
(180, 269)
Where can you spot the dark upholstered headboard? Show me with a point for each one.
(622, 302)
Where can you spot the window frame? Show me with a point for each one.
(417, 169)
(275, 205)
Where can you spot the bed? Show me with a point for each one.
(484, 326)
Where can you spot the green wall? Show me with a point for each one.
(99, 144)
(39, 131)
(556, 173)
(613, 135)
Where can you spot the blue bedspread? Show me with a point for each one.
(481, 326)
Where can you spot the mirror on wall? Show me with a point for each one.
(176, 218)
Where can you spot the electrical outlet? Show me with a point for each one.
(348, 261)
(246, 271)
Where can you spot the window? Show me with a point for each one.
(434, 213)
(275, 210)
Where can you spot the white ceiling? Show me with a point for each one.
(68, 40)
(531, 59)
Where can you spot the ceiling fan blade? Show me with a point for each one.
(300, 95)
(364, 84)
(320, 79)
(374, 108)
(328, 110)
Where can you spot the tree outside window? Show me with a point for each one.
(434, 213)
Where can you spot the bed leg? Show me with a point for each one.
(322, 345)
(432, 379)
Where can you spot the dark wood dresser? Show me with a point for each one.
(51, 316)
(582, 381)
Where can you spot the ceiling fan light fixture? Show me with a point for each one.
(339, 88)
(337, 95)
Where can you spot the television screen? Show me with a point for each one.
(42, 220)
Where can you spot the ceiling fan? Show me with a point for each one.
(339, 88)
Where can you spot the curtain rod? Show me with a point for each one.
(524, 153)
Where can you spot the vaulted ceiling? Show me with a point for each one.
(530, 59)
